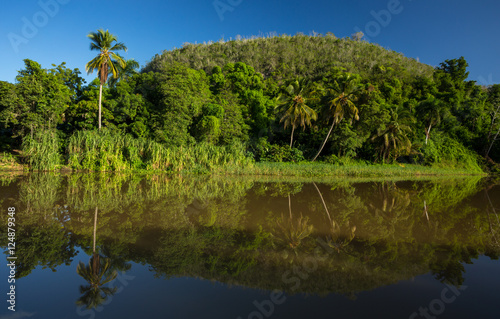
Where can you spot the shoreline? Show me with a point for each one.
(306, 170)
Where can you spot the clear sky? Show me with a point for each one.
(54, 31)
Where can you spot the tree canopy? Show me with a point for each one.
(369, 103)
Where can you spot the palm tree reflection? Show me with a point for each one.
(97, 273)
(291, 232)
(337, 238)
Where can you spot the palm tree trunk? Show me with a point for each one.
(95, 228)
(324, 204)
(493, 141)
(100, 100)
(427, 133)
(290, 206)
(493, 122)
(324, 142)
(291, 138)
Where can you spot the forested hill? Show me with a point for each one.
(300, 55)
(281, 98)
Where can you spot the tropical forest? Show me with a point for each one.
(278, 176)
(271, 105)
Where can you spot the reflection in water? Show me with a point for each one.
(97, 273)
(336, 238)
(291, 232)
(250, 232)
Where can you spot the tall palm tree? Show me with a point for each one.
(126, 72)
(94, 294)
(292, 105)
(291, 232)
(97, 273)
(336, 239)
(339, 102)
(393, 137)
(107, 60)
(430, 111)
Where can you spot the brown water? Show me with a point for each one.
(226, 247)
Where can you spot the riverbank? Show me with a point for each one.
(309, 169)
(303, 169)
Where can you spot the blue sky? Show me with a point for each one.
(54, 31)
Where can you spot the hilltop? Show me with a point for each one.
(298, 55)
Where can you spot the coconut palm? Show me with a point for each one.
(339, 102)
(107, 61)
(393, 137)
(293, 105)
(126, 72)
(337, 238)
(97, 273)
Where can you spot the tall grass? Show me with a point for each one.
(113, 151)
(306, 169)
(42, 150)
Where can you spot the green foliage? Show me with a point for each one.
(286, 57)
(107, 61)
(7, 159)
(445, 152)
(114, 151)
(357, 99)
(176, 95)
(37, 101)
(342, 161)
(249, 231)
(293, 108)
(42, 150)
(393, 139)
(339, 101)
(280, 153)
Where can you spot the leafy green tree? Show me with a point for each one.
(129, 107)
(494, 100)
(175, 97)
(393, 138)
(293, 105)
(339, 102)
(248, 85)
(208, 124)
(106, 61)
(430, 113)
(233, 126)
(8, 99)
(81, 114)
(71, 78)
(37, 101)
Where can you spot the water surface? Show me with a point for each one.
(158, 246)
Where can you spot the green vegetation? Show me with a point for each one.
(354, 169)
(113, 151)
(222, 106)
(247, 232)
(106, 60)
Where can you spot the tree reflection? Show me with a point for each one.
(291, 232)
(97, 273)
(366, 234)
(336, 238)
